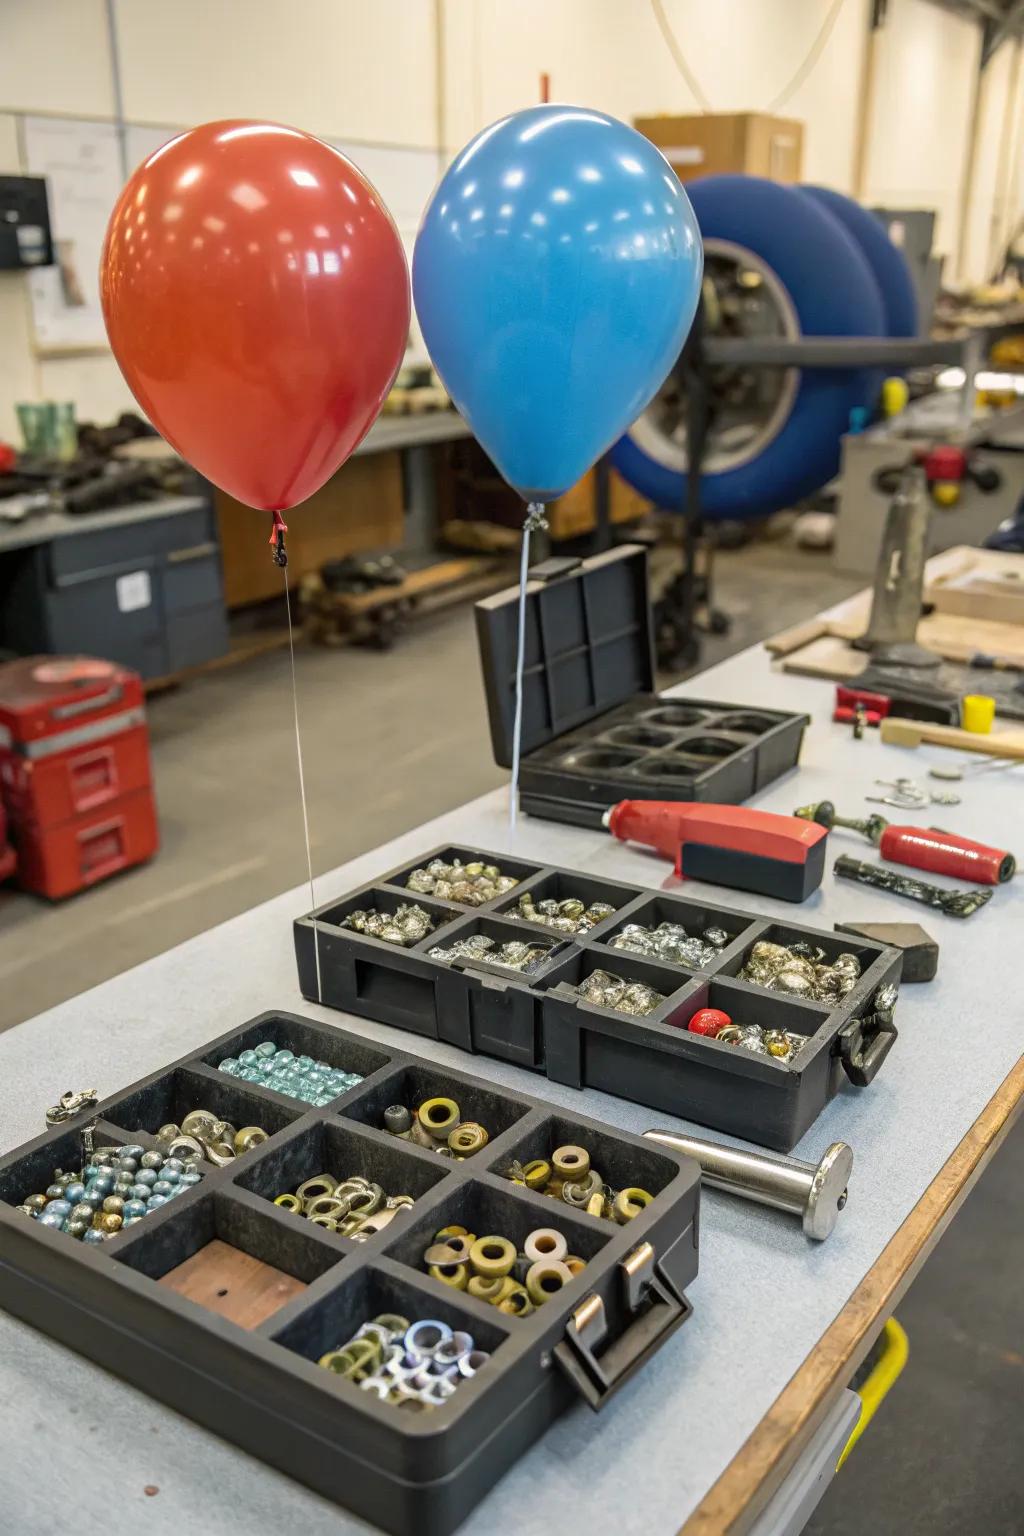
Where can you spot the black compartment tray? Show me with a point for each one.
(593, 729)
(537, 1022)
(412, 1474)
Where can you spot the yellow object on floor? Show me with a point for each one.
(883, 1376)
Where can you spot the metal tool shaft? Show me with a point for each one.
(816, 1192)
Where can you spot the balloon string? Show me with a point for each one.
(535, 520)
(302, 789)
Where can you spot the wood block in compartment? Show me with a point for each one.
(233, 1284)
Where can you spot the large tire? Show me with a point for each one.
(888, 263)
(830, 291)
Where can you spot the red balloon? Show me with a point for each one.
(256, 296)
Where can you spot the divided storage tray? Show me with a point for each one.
(416, 1474)
(538, 1022)
(594, 731)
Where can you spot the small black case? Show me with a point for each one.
(538, 1023)
(594, 731)
(411, 1474)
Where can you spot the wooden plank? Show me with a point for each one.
(233, 1284)
(429, 579)
(1006, 742)
(750, 1480)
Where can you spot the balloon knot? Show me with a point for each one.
(277, 532)
(535, 518)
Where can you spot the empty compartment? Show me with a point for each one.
(334, 1319)
(342, 1052)
(513, 869)
(230, 1257)
(168, 1099)
(621, 1164)
(710, 748)
(388, 904)
(668, 981)
(676, 717)
(489, 1212)
(696, 917)
(596, 759)
(748, 722)
(413, 1085)
(649, 737)
(341, 1151)
(564, 885)
(670, 768)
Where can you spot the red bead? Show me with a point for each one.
(708, 1021)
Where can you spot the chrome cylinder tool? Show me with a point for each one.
(814, 1192)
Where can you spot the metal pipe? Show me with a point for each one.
(816, 1192)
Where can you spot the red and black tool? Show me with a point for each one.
(727, 844)
(940, 853)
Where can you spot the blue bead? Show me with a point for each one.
(127, 1164)
(265, 1048)
(249, 1074)
(93, 1236)
(229, 1065)
(75, 1193)
(191, 1176)
(129, 1221)
(59, 1208)
(167, 1176)
(49, 1218)
(140, 1192)
(146, 1176)
(247, 1059)
(155, 1201)
(133, 1208)
(173, 1165)
(132, 1150)
(162, 1187)
(284, 1058)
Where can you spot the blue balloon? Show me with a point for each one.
(556, 275)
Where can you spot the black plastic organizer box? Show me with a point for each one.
(413, 1474)
(539, 1023)
(594, 731)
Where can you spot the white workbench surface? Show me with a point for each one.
(79, 1446)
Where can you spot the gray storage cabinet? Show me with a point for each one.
(147, 593)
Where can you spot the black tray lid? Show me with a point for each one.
(589, 646)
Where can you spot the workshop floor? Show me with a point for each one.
(393, 739)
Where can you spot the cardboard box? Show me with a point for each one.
(708, 144)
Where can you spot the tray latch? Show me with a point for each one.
(865, 1043)
(656, 1308)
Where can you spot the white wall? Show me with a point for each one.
(919, 126)
(611, 54)
(366, 72)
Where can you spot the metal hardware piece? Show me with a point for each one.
(814, 1192)
(71, 1104)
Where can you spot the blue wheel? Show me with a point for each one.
(887, 262)
(778, 264)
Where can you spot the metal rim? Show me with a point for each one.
(668, 447)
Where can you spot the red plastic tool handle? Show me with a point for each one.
(847, 698)
(668, 825)
(943, 853)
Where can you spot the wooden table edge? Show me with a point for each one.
(758, 1469)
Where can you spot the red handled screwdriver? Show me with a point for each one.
(727, 844)
(941, 853)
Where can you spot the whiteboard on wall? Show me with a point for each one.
(141, 142)
(405, 179)
(82, 165)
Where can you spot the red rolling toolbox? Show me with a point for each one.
(7, 855)
(74, 771)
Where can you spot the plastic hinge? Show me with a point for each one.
(656, 1308)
